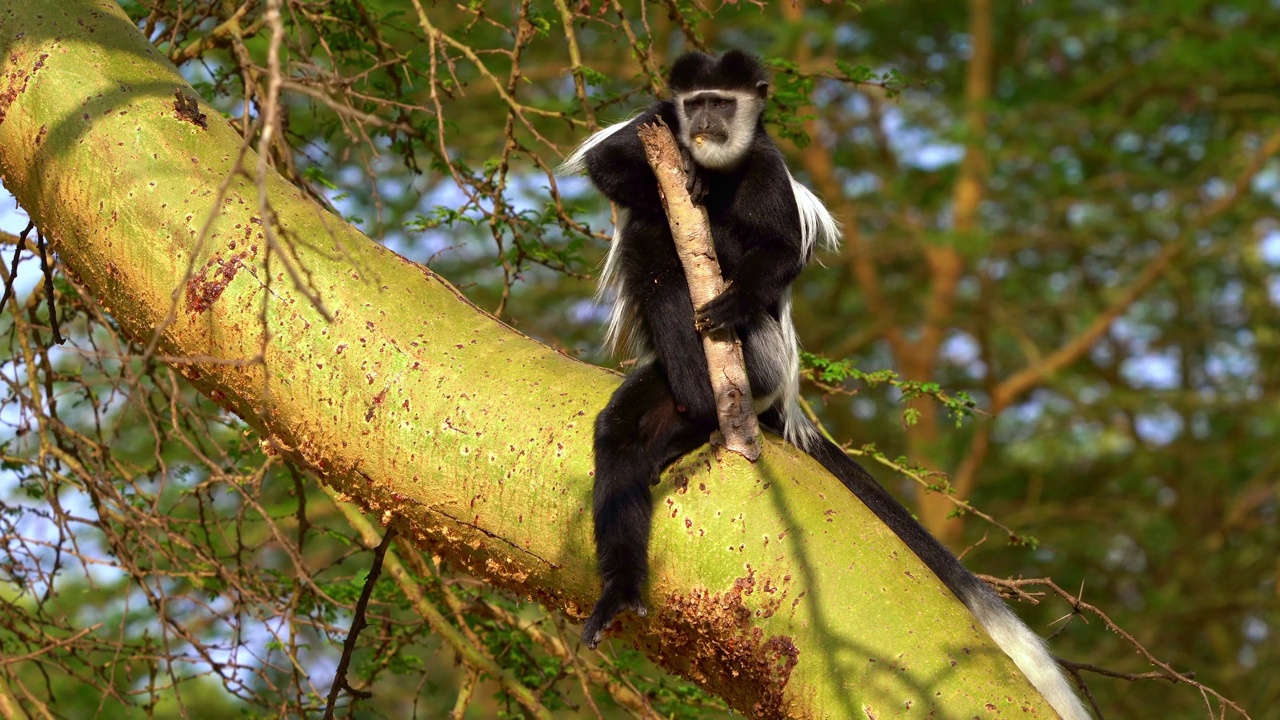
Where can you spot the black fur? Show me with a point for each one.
(734, 70)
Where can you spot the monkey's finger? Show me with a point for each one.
(686, 157)
(691, 182)
(593, 630)
(700, 318)
(713, 306)
(707, 326)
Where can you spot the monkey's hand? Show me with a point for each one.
(694, 182)
(612, 601)
(725, 311)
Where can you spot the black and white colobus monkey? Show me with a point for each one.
(764, 226)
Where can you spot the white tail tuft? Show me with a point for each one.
(1027, 650)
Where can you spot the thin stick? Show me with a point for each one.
(358, 623)
(692, 233)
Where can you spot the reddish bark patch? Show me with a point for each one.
(710, 639)
(377, 400)
(206, 286)
(17, 83)
(187, 107)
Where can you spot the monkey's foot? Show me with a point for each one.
(603, 614)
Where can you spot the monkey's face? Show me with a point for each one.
(710, 115)
(717, 125)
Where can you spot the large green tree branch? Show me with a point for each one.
(772, 586)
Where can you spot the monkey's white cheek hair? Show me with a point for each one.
(728, 154)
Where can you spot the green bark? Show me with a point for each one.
(771, 585)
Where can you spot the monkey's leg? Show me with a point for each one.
(641, 430)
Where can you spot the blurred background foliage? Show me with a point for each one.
(1065, 209)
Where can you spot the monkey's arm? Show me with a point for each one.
(662, 295)
(617, 165)
(765, 214)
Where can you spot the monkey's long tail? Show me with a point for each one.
(1027, 649)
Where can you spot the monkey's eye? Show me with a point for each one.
(723, 103)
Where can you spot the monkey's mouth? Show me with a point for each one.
(709, 136)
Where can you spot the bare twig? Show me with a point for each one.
(691, 231)
(358, 623)
(1079, 608)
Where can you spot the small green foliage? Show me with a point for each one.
(210, 582)
(347, 591)
(672, 697)
(542, 21)
(827, 372)
(592, 77)
(791, 91)
(514, 649)
(315, 174)
(404, 663)
(890, 80)
(440, 216)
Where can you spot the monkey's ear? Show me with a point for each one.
(762, 89)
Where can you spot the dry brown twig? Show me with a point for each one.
(1078, 608)
(691, 231)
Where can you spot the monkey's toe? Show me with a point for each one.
(593, 630)
(605, 612)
